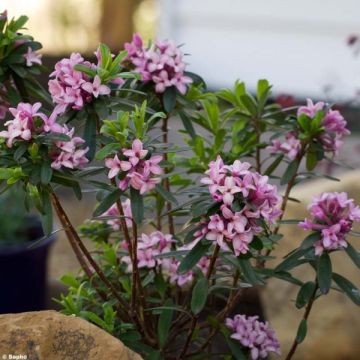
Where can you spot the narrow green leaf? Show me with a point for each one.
(249, 103)
(107, 202)
(248, 272)
(348, 287)
(324, 272)
(90, 134)
(169, 99)
(166, 195)
(290, 172)
(164, 324)
(353, 254)
(46, 172)
(195, 254)
(310, 240)
(107, 150)
(187, 124)
(301, 333)
(305, 293)
(272, 167)
(199, 295)
(47, 212)
(291, 261)
(137, 205)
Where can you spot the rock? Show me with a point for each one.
(48, 335)
(334, 325)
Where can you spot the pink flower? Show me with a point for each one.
(32, 57)
(290, 147)
(71, 88)
(114, 211)
(68, 154)
(113, 165)
(251, 192)
(141, 174)
(333, 123)
(162, 64)
(136, 153)
(255, 335)
(333, 216)
(95, 88)
(24, 123)
(311, 109)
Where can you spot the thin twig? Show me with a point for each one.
(196, 317)
(305, 317)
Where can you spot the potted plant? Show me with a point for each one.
(23, 256)
(180, 232)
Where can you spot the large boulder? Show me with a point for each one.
(334, 325)
(48, 335)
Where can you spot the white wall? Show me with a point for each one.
(299, 45)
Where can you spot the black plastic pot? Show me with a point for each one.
(23, 271)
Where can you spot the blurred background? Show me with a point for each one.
(300, 47)
(305, 49)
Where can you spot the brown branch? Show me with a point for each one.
(81, 247)
(305, 317)
(196, 317)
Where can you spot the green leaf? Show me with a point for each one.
(164, 324)
(250, 104)
(187, 124)
(107, 150)
(290, 172)
(137, 205)
(85, 69)
(20, 151)
(272, 167)
(194, 255)
(291, 261)
(90, 134)
(353, 254)
(263, 90)
(348, 287)
(169, 99)
(324, 272)
(305, 293)
(47, 212)
(311, 160)
(107, 202)
(46, 172)
(248, 272)
(234, 346)
(19, 23)
(199, 295)
(310, 240)
(301, 333)
(166, 195)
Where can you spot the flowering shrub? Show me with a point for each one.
(179, 230)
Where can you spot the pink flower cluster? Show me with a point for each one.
(149, 246)
(24, 123)
(333, 216)
(141, 173)
(235, 186)
(29, 121)
(69, 154)
(162, 63)
(114, 211)
(71, 88)
(255, 335)
(333, 122)
(290, 146)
